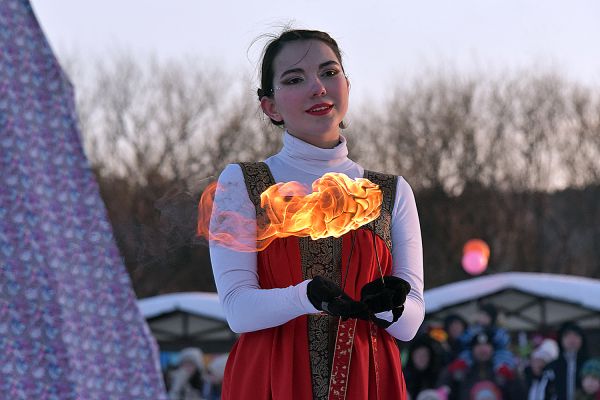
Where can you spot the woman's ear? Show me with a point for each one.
(270, 108)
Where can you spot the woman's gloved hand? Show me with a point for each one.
(387, 294)
(325, 295)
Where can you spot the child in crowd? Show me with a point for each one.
(590, 380)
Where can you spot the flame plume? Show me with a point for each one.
(336, 206)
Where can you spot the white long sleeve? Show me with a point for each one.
(250, 308)
(407, 256)
(247, 306)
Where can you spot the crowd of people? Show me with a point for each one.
(455, 362)
(474, 361)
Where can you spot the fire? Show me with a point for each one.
(205, 209)
(336, 206)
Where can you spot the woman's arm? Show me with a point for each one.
(407, 254)
(247, 307)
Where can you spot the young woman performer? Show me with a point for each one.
(317, 318)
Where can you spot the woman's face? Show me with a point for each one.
(482, 352)
(310, 92)
(421, 358)
(537, 365)
(455, 329)
(571, 341)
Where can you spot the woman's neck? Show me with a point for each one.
(328, 142)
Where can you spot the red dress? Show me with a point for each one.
(294, 360)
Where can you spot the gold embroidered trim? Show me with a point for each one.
(340, 371)
(258, 178)
(383, 225)
(321, 257)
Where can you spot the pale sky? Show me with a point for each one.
(383, 41)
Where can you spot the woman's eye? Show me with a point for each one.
(331, 72)
(293, 81)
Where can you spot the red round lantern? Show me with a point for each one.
(476, 254)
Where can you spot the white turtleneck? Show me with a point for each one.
(250, 308)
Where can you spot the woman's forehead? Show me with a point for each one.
(303, 54)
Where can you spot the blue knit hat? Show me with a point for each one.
(591, 368)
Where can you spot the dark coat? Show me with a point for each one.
(419, 380)
(555, 377)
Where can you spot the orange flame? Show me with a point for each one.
(336, 206)
(205, 210)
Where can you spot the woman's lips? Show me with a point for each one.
(320, 109)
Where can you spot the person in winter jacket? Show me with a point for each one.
(561, 378)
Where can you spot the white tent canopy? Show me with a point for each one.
(188, 319)
(526, 301)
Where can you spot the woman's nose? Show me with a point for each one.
(318, 88)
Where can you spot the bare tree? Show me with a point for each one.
(483, 153)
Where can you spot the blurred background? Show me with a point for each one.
(490, 110)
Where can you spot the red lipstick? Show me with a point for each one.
(320, 109)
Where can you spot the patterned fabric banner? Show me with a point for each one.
(69, 323)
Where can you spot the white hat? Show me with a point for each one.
(194, 355)
(547, 351)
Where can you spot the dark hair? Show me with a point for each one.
(450, 318)
(571, 326)
(273, 48)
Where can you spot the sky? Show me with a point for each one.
(383, 41)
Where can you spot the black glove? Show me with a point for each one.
(389, 296)
(327, 296)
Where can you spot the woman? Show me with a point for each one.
(423, 366)
(287, 299)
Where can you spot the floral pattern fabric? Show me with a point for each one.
(69, 323)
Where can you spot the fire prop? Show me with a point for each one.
(336, 206)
